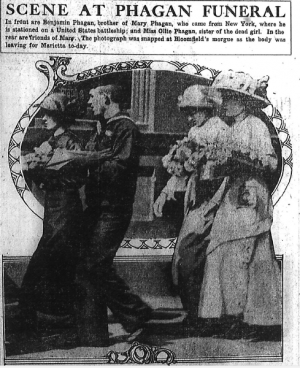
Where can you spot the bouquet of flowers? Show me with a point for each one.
(218, 151)
(220, 155)
(183, 157)
(39, 158)
(233, 155)
(46, 157)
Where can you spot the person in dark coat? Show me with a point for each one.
(110, 192)
(48, 282)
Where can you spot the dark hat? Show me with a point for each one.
(55, 103)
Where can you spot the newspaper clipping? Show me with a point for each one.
(149, 197)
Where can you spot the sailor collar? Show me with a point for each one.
(118, 117)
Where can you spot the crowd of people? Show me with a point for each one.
(224, 262)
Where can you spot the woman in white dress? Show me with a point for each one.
(199, 103)
(241, 288)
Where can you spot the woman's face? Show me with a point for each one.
(195, 116)
(233, 107)
(49, 121)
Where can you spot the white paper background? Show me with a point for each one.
(21, 83)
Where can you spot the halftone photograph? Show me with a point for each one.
(154, 184)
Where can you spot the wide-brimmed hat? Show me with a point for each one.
(253, 91)
(199, 96)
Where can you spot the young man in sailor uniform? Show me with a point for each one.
(110, 190)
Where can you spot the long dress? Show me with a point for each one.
(242, 277)
(202, 199)
(48, 282)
